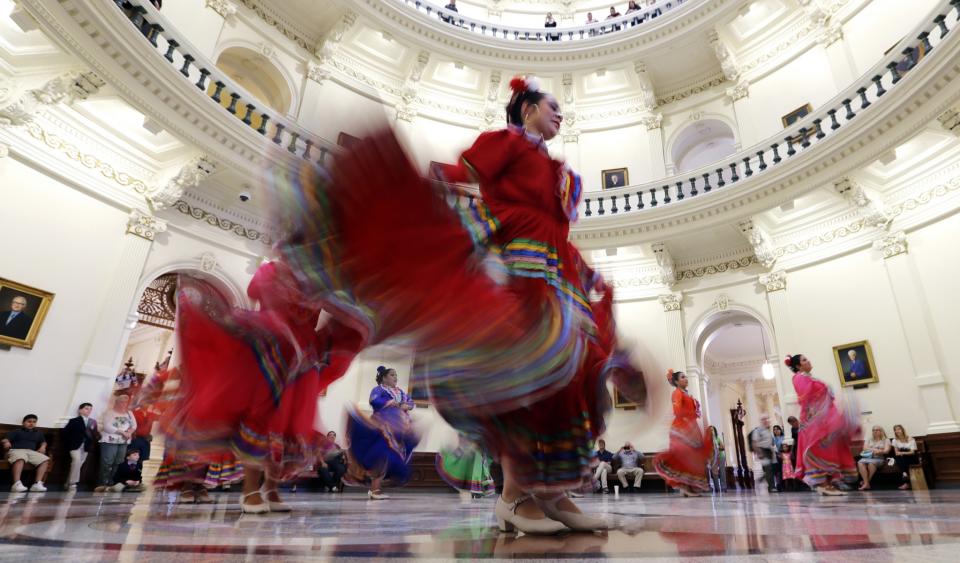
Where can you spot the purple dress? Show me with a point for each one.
(381, 445)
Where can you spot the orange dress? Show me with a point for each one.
(684, 464)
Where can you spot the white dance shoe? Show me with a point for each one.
(508, 520)
(275, 506)
(572, 520)
(377, 495)
(261, 508)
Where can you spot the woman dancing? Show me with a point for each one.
(466, 468)
(251, 380)
(683, 465)
(823, 451)
(381, 446)
(493, 297)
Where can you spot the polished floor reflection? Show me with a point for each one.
(437, 526)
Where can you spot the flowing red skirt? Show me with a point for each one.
(684, 464)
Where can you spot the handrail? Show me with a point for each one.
(516, 33)
(809, 131)
(196, 68)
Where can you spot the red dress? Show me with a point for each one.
(251, 378)
(519, 367)
(823, 448)
(684, 464)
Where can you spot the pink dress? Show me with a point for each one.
(823, 448)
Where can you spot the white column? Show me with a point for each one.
(711, 408)
(676, 351)
(117, 317)
(658, 161)
(915, 319)
(841, 64)
(753, 414)
(770, 408)
(775, 284)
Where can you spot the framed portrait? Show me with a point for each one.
(796, 115)
(622, 402)
(346, 140)
(855, 363)
(614, 178)
(22, 311)
(418, 392)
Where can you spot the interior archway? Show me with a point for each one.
(257, 75)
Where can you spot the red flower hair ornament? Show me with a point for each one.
(788, 361)
(519, 84)
(670, 376)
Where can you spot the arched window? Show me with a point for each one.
(258, 76)
(702, 142)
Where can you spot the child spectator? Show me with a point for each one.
(128, 477)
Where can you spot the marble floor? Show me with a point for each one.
(438, 526)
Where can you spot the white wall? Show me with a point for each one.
(62, 241)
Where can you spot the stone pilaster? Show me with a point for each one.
(914, 313)
(775, 285)
(118, 315)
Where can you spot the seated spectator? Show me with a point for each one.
(127, 477)
(631, 463)
(550, 22)
(613, 15)
(590, 21)
(116, 432)
(904, 454)
(451, 7)
(333, 465)
(874, 455)
(27, 445)
(78, 436)
(604, 467)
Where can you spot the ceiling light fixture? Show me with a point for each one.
(767, 368)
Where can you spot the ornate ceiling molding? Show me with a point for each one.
(222, 223)
(272, 18)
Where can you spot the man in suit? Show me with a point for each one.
(858, 369)
(14, 323)
(78, 435)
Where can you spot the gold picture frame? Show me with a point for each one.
(621, 402)
(856, 369)
(614, 178)
(32, 303)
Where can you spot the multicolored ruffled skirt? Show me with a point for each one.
(684, 464)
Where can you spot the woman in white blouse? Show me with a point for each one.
(904, 454)
(874, 455)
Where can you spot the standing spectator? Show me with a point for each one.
(116, 432)
(761, 444)
(127, 477)
(145, 416)
(551, 23)
(778, 440)
(126, 378)
(591, 21)
(904, 454)
(614, 14)
(78, 436)
(717, 467)
(604, 467)
(873, 456)
(27, 445)
(631, 463)
(451, 6)
(333, 465)
(786, 461)
(795, 435)
(632, 7)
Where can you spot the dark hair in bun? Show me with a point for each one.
(522, 93)
(793, 362)
(673, 377)
(381, 373)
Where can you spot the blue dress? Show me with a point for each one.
(381, 445)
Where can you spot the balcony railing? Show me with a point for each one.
(813, 129)
(215, 84)
(506, 32)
